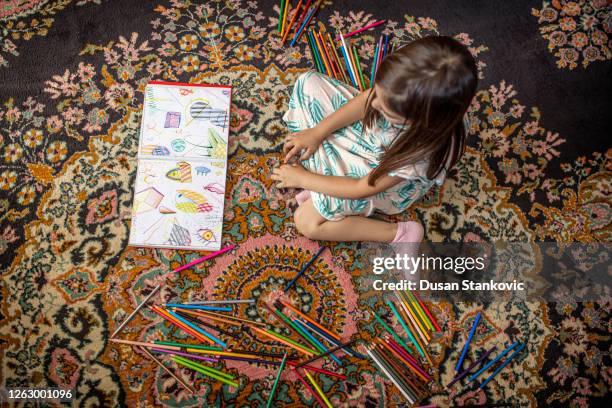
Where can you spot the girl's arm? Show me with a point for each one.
(306, 142)
(336, 186)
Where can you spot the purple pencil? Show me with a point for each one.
(180, 353)
(471, 367)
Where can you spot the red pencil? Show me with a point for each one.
(429, 315)
(295, 13)
(318, 370)
(352, 33)
(304, 13)
(316, 9)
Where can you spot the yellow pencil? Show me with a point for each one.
(287, 5)
(413, 318)
(318, 389)
(420, 311)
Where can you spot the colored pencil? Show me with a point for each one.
(296, 328)
(318, 370)
(315, 256)
(143, 344)
(207, 368)
(354, 65)
(390, 331)
(347, 56)
(287, 6)
(328, 352)
(288, 28)
(373, 69)
(367, 27)
(414, 318)
(200, 307)
(312, 392)
(319, 390)
(391, 377)
(302, 26)
(471, 367)
(329, 56)
(166, 369)
(413, 322)
(228, 318)
(324, 351)
(490, 363)
(250, 360)
(182, 346)
(198, 320)
(222, 353)
(280, 16)
(315, 57)
(265, 354)
(308, 319)
(420, 315)
(337, 58)
(410, 383)
(199, 313)
(429, 315)
(411, 363)
(309, 18)
(332, 340)
(198, 329)
(380, 53)
(501, 367)
(285, 340)
(405, 327)
(417, 336)
(327, 70)
(166, 316)
(303, 15)
(218, 302)
(467, 343)
(204, 258)
(180, 353)
(278, 375)
(363, 84)
(131, 316)
(188, 363)
(386, 45)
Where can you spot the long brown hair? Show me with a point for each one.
(430, 82)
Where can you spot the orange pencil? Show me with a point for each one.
(286, 343)
(329, 56)
(297, 10)
(184, 327)
(321, 52)
(287, 5)
(294, 310)
(413, 317)
(204, 316)
(332, 46)
(349, 51)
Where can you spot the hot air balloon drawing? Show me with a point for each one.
(191, 202)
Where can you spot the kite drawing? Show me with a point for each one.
(182, 163)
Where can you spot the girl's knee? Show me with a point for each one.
(304, 225)
(309, 83)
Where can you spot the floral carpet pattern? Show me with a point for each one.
(67, 167)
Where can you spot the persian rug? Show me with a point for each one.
(72, 75)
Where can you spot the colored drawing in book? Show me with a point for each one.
(191, 202)
(155, 150)
(147, 200)
(218, 145)
(185, 91)
(215, 188)
(181, 173)
(177, 145)
(179, 236)
(218, 164)
(206, 235)
(201, 110)
(173, 120)
(202, 170)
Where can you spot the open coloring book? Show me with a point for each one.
(182, 160)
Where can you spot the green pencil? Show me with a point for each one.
(298, 330)
(420, 312)
(287, 339)
(405, 326)
(204, 372)
(206, 368)
(278, 375)
(280, 15)
(193, 346)
(359, 67)
(391, 332)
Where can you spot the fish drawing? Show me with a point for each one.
(180, 173)
(214, 188)
(202, 170)
(179, 236)
(191, 202)
(155, 150)
(206, 235)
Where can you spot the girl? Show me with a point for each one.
(379, 150)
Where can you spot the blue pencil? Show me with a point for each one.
(373, 72)
(348, 65)
(505, 363)
(200, 307)
(314, 340)
(196, 328)
(467, 343)
(386, 45)
(306, 20)
(490, 363)
(333, 341)
(315, 51)
(290, 284)
(405, 326)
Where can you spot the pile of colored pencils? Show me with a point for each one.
(399, 361)
(286, 23)
(382, 50)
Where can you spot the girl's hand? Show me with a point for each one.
(303, 143)
(289, 176)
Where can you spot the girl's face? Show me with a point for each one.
(378, 103)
